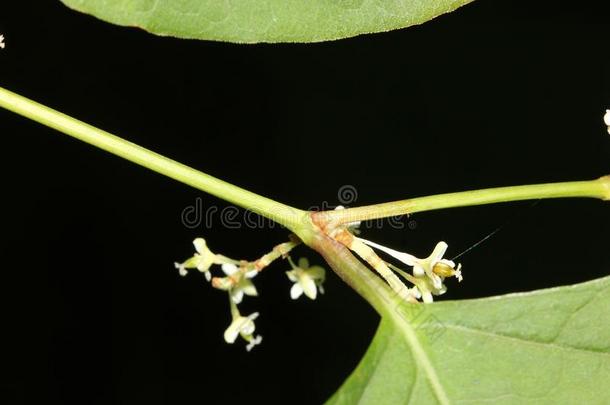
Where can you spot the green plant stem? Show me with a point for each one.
(283, 214)
(599, 188)
(296, 220)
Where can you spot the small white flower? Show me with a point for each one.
(306, 279)
(433, 268)
(240, 284)
(202, 260)
(244, 326)
(2, 44)
(607, 120)
(428, 265)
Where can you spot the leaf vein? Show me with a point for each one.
(526, 341)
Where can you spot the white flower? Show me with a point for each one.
(434, 262)
(2, 44)
(433, 268)
(306, 279)
(238, 282)
(607, 120)
(202, 260)
(244, 326)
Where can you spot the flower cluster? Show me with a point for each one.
(237, 281)
(427, 276)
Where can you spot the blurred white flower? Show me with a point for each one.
(306, 279)
(202, 260)
(244, 326)
(2, 44)
(429, 272)
(237, 282)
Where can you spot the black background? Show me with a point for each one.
(497, 93)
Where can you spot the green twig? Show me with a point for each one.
(296, 220)
(278, 212)
(599, 188)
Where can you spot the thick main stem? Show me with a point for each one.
(387, 303)
(278, 212)
(599, 188)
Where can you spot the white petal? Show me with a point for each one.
(418, 271)
(248, 288)
(247, 327)
(427, 296)
(200, 246)
(607, 118)
(406, 258)
(321, 288)
(237, 295)
(449, 263)
(296, 291)
(292, 276)
(437, 282)
(251, 273)
(253, 316)
(208, 275)
(229, 268)
(231, 332)
(441, 290)
(438, 252)
(308, 286)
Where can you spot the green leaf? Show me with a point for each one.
(266, 20)
(548, 346)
